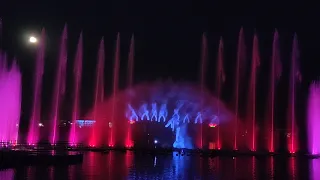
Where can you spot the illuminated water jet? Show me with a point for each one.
(33, 134)
(60, 86)
(204, 56)
(274, 79)
(295, 77)
(129, 142)
(313, 119)
(77, 72)
(10, 95)
(255, 62)
(115, 87)
(240, 64)
(99, 90)
(220, 78)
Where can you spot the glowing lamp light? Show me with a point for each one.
(129, 146)
(212, 125)
(156, 141)
(33, 40)
(132, 121)
(40, 125)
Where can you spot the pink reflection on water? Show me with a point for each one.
(315, 169)
(292, 168)
(7, 174)
(51, 173)
(272, 168)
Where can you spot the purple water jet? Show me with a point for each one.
(275, 75)
(60, 85)
(10, 95)
(313, 119)
(77, 72)
(33, 134)
(99, 91)
(220, 78)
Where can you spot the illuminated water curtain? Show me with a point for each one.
(10, 98)
(184, 113)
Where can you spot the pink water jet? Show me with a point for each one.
(220, 78)
(313, 119)
(33, 134)
(129, 142)
(275, 75)
(240, 64)
(295, 77)
(10, 95)
(255, 63)
(60, 86)
(77, 72)
(99, 92)
(115, 87)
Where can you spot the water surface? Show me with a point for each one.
(127, 165)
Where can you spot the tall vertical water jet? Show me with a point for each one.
(275, 75)
(33, 134)
(313, 119)
(99, 91)
(10, 105)
(203, 65)
(255, 62)
(241, 55)
(115, 89)
(220, 78)
(129, 142)
(77, 72)
(295, 76)
(60, 85)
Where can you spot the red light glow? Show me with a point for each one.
(212, 125)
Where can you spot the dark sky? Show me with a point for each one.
(167, 34)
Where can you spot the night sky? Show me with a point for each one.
(168, 40)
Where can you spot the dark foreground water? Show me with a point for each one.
(118, 166)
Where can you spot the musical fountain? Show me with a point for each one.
(169, 114)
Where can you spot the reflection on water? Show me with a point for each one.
(315, 172)
(7, 174)
(127, 165)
